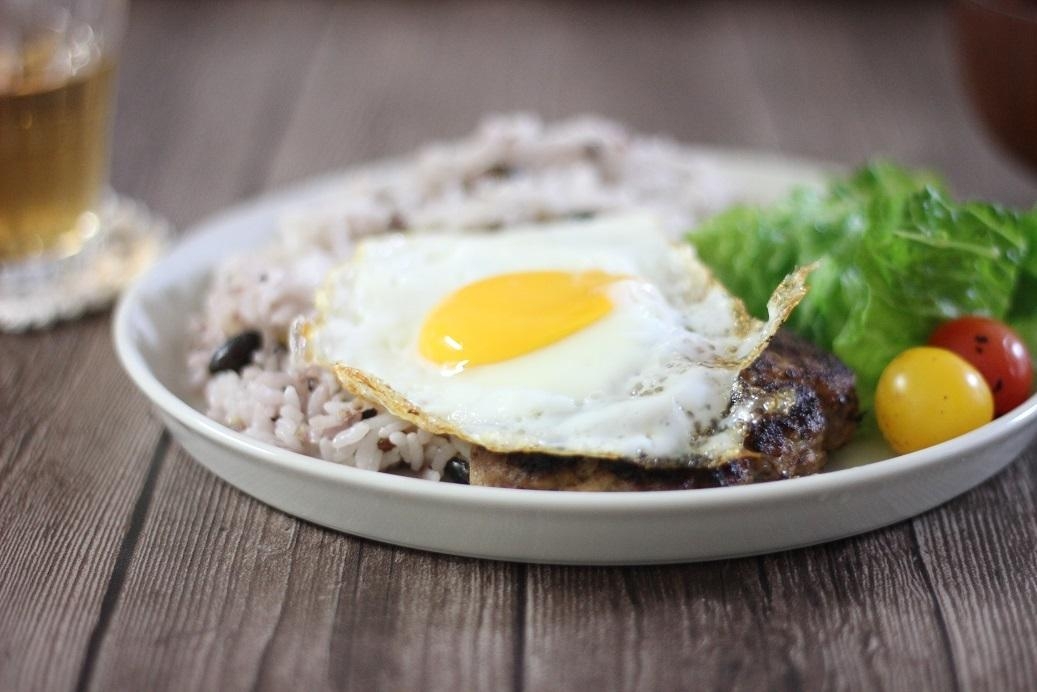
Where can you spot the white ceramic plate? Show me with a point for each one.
(861, 491)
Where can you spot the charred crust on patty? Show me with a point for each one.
(801, 403)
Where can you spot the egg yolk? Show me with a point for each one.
(509, 315)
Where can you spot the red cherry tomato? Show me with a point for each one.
(996, 351)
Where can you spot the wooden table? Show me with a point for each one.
(125, 566)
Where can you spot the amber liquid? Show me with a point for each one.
(53, 161)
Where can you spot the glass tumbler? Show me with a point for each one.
(57, 67)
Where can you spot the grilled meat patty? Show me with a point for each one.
(797, 403)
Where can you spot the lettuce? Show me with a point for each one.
(897, 256)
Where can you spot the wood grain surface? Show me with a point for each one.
(125, 566)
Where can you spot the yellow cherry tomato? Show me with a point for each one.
(927, 395)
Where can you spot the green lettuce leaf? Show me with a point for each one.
(897, 256)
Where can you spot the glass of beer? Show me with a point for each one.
(57, 65)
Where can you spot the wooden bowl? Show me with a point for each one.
(997, 47)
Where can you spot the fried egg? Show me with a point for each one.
(597, 338)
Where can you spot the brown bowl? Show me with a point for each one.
(997, 46)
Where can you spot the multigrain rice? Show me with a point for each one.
(512, 170)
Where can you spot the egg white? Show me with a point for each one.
(650, 379)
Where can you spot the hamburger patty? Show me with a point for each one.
(798, 403)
